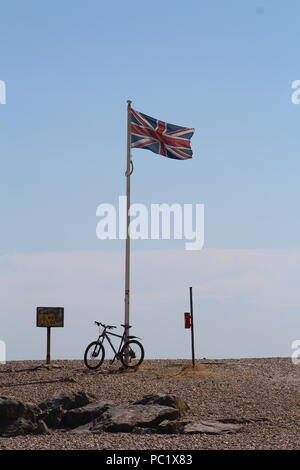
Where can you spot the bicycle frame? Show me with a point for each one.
(105, 335)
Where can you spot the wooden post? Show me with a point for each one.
(49, 317)
(48, 344)
(192, 326)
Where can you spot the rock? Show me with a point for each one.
(78, 411)
(11, 408)
(202, 427)
(126, 418)
(79, 416)
(42, 428)
(210, 427)
(17, 418)
(67, 400)
(53, 416)
(253, 419)
(164, 400)
(171, 427)
(16, 427)
(54, 407)
(84, 429)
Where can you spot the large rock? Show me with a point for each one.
(171, 427)
(77, 417)
(17, 418)
(16, 427)
(53, 416)
(126, 418)
(201, 427)
(164, 400)
(211, 427)
(67, 400)
(80, 413)
(53, 408)
(41, 428)
(11, 408)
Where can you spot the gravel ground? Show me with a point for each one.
(231, 388)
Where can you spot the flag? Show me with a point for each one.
(160, 137)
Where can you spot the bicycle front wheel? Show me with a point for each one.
(94, 355)
(132, 354)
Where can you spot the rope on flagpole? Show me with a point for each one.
(131, 170)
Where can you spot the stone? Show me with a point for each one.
(77, 417)
(53, 408)
(53, 416)
(210, 427)
(171, 427)
(126, 418)
(79, 413)
(67, 400)
(42, 428)
(252, 419)
(11, 408)
(164, 400)
(16, 417)
(84, 429)
(16, 427)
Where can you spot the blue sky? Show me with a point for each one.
(223, 67)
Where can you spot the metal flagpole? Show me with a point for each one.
(127, 256)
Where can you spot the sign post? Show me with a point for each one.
(48, 344)
(49, 317)
(189, 323)
(192, 326)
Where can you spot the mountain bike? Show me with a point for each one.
(130, 352)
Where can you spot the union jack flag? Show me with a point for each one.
(160, 137)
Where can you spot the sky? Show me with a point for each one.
(224, 68)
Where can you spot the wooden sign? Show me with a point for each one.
(50, 317)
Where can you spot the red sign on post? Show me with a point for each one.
(187, 320)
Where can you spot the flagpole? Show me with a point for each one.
(127, 255)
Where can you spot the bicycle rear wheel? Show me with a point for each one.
(94, 355)
(132, 354)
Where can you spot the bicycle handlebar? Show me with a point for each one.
(105, 326)
(110, 326)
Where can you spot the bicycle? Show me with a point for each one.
(130, 352)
